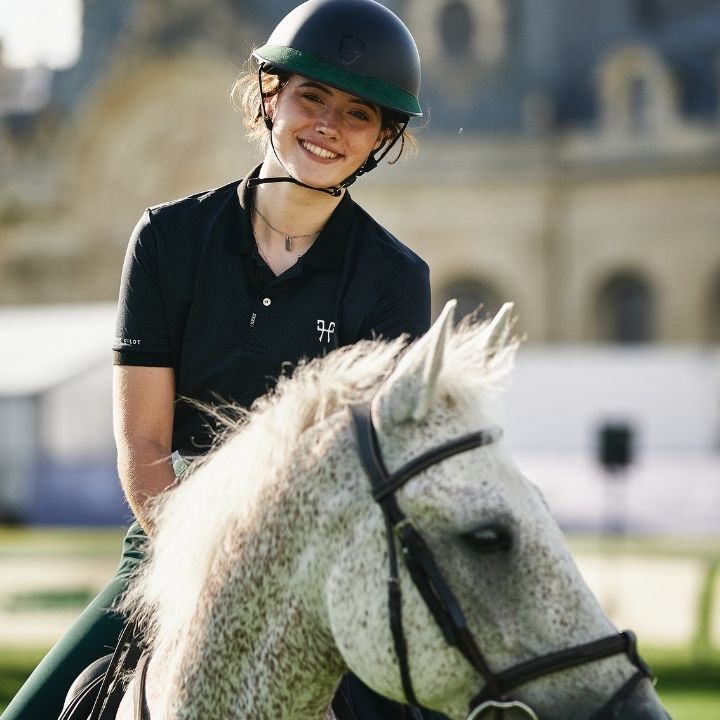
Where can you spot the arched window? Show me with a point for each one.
(470, 294)
(639, 104)
(625, 310)
(637, 91)
(457, 29)
(647, 13)
(464, 31)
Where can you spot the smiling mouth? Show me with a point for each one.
(318, 151)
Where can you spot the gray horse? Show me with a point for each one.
(268, 576)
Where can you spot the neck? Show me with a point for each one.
(239, 672)
(271, 679)
(292, 209)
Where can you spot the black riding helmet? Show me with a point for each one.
(358, 46)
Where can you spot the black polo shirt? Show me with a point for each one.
(196, 296)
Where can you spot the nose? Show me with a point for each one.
(328, 123)
(643, 704)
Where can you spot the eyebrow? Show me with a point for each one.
(328, 91)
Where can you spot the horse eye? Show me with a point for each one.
(488, 539)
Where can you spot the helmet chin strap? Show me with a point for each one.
(335, 190)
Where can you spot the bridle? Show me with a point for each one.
(442, 603)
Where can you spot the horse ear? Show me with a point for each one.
(497, 331)
(407, 393)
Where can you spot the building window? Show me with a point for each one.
(625, 310)
(457, 29)
(639, 104)
(471, 295)
(637, 92)
(466, 32)
(647, 13)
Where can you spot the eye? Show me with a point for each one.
(312, 97)
(488, 539)
(360, 115)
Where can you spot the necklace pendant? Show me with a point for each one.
(288, 242)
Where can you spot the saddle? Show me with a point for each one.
(98, 690)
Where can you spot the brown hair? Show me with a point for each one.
(245, 98)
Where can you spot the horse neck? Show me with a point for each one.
(260, 645)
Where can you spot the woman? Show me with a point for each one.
(224, 290)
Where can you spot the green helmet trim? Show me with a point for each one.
(369, 88)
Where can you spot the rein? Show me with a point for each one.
(442, 603)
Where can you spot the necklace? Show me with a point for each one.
(288, 238)
(262, 253)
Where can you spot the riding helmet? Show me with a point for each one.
(358, 46)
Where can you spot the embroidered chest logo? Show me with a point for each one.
(329, 330)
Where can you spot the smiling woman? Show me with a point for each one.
(227, 290)
(40, 32)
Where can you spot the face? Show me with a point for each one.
(321, 134)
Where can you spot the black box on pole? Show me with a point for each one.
(615, 445)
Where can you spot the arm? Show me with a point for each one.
(143, 409)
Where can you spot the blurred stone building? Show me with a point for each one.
(569, 159)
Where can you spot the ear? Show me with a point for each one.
(270, 103)
(497, 331)
(406, 395)
(490, 345)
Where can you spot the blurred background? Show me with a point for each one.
(568, 161)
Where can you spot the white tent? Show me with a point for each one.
(55, 413)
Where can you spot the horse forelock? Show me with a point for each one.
(218, 498)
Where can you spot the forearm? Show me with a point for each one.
(143, 407)
(145, 470)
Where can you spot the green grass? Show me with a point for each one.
(15, 666)
(692, 705)
(65, 542)
(689, 689)
(669, 547)
(70, 599)
(688, 686)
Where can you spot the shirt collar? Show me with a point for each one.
(327, 250)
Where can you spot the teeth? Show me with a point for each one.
(320, 152)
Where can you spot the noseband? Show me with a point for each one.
(442, 603)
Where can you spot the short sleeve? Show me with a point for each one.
(141, 332)
(404, 305)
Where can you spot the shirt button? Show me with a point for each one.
(266, 301)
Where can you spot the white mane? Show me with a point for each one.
(197, 518)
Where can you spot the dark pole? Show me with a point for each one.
(615, 453)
